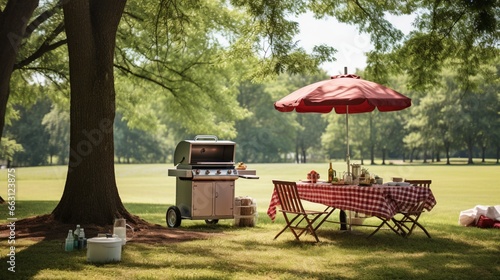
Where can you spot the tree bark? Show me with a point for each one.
(90, 194)
(13, 21)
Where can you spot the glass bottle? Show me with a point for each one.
(330, 173)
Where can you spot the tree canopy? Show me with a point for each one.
(178, 68)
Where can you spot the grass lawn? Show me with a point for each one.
(453, 252)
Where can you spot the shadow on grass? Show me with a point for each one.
(383, 256)
(452, 253)
(449, 254)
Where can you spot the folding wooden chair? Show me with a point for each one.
(420, 183)
(298, 220)
(396, 228)
(408, 220)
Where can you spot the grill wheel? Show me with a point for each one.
(173, 217)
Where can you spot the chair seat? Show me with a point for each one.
(308, 212)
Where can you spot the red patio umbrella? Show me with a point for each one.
(347, 94)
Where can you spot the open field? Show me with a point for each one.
(454, 252)
(455, 187)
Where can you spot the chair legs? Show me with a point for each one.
(413, 223)
(290, 226)
(403, 226)
(396, 228)
(297, 226)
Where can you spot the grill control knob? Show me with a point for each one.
(229, 171)
(218, 172)
(207, 172)
(197, 171)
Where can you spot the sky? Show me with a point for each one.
(351, 45)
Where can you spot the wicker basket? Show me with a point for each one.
(245, 211)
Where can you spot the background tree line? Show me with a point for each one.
(448, 88)
(446, 122)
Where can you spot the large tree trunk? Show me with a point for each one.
(470, 151)
(483, 154)
(447, 149)
(90, 195)
(498, 154)
(13, 21)
(372, 154)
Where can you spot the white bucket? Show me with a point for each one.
(355, 219)
(104, 249)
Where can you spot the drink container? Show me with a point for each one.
(70, 242)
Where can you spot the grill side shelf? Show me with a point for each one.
(247, 173)
(182, 173)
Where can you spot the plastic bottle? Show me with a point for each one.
(82, 241)
(76, 236)
(70, 242)
(330, 173)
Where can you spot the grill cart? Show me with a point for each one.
(205, 178)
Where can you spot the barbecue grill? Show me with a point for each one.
(205, 178)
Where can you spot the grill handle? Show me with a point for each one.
(213, 137)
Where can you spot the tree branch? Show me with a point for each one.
(42, 70)
(128, 71)
(44, 48)
(41, 19)
(374, 20)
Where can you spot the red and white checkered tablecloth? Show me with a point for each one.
(377, 200)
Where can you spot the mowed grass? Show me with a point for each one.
(454, 252)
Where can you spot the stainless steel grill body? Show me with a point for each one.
(205, 179)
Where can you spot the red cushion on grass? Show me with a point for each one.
(496, 225)
(485, 222)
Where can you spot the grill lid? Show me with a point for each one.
(209, 151)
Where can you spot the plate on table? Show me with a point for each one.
(364, 184)
(402, 184)
(309, 181)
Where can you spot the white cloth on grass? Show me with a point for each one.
(469, 217)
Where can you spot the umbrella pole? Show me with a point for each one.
(342, 215)
(347, 136)
(347, 131)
